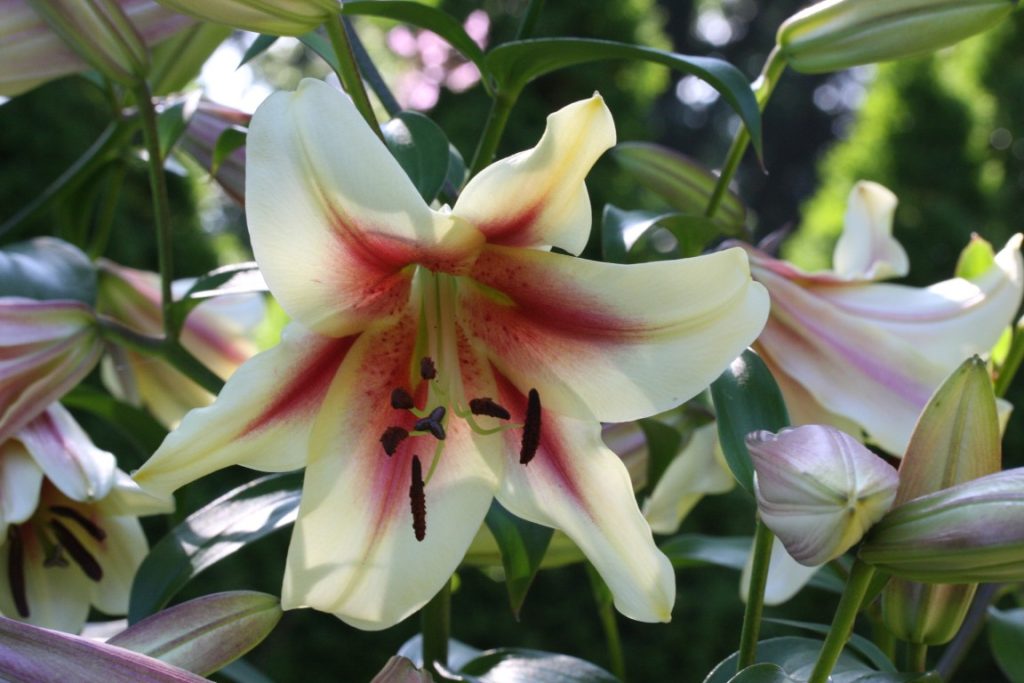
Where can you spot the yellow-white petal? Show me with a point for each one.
(334, 220)
(262, 418)
(20, 480)
(67, 456)
(611, 342)
(786, 576)
(537, 198)
(119, 555)
(866, 249)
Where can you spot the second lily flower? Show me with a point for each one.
(440, 359)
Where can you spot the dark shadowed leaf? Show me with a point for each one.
(1005, 637)
(258, 47)
(47, 268)
(522, 546)
(422, 150)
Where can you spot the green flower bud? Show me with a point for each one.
(838, 34)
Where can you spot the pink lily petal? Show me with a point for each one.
(334, 220)
(531, 200)
(572, 328)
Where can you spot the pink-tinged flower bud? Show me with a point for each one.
(838, 34)
(46, 348)
(45, 39)
(956, 440)
(819, 489)
(972, 532)
(279, 18)
(216, 332)
(205, 128)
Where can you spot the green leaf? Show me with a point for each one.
(517, 665)
(457, 171)
(682, 182)
(137, 426)
(515, 64)
(30, 654)
(976, 259)
(228, 141)
(673, 236)
(1005, 635)
(857, 644)
(422, 16)
(258, 47)
(615, 225)
(177, 61)
(212, 533)
(47, 268)
(796, 657)
(422, 150)
(320, 45)
(746, 399)
(663, 444)
(522, 546)
(171, 122)
(762, 673)
(205, 634)
(237, 278)
(695, 550)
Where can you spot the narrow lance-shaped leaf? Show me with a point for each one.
(205, 634)
(522, 546)
(747, 399)
(212, 533)
(421, 148)
(515, 64)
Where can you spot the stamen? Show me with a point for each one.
(16, 572)
(400, 399)
(432, 423)
(79, 553)
(55, 556)
(486, 406)
(418, 500)
(531, 428)
(391, 437)
(87, 524)
(427, 369)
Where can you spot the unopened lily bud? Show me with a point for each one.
(279, 18)
(838, 34)
(819, 489)
(205, 128)
(46, 348)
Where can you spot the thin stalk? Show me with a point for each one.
(842, 622)
(916, 657)
(369, 71)
(609, 623)
(105, 217)
(529, 20)
(348, 72)
(763, 88)
(750, 632)
(493, 130)
(435, 626)
(161, 205)
(1012, 364)
(953, 654)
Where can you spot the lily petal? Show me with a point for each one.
(786, 576)
(67, 455)
(120, 555)
(354, 551)
(867, 250)
(262, 419)
(334, 220)
(537, 198)
(576, 484)
(20, 480)
(572, 328)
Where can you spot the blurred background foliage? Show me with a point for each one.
(945, 133)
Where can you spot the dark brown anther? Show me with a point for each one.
(391, 437)
(531, 428)
(78, 552)
(400, 399)
(16, 571)
(427, 369)
(486, 406)
(432, 423)
(88, 526)
(418, 500)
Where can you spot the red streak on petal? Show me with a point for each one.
(306, 385)
(513, 231)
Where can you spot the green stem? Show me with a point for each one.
(105, 218)
(917, 657)
(762, 551)
(529, 20)
(842, 622)
(609, 622)
(435, 620)
(1012, 364)
(348, 72)
(161, 205)
(763, 88)
(170, 351)
(493, 130)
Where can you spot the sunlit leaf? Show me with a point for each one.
(228, 142)
(522, 546)
(210, 534)
(515, 665)
(47, 268)
(422, 150)
(237, 278)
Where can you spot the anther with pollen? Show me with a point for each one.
(486, 406)
(88, 526)
(400, 399)
(418, 500)
(531, 428)
(427, 369)
(432, 423)
(16, 571)
(391, 437)
(78, 552)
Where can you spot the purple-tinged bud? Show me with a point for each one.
(819, 489)
(209, 122)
